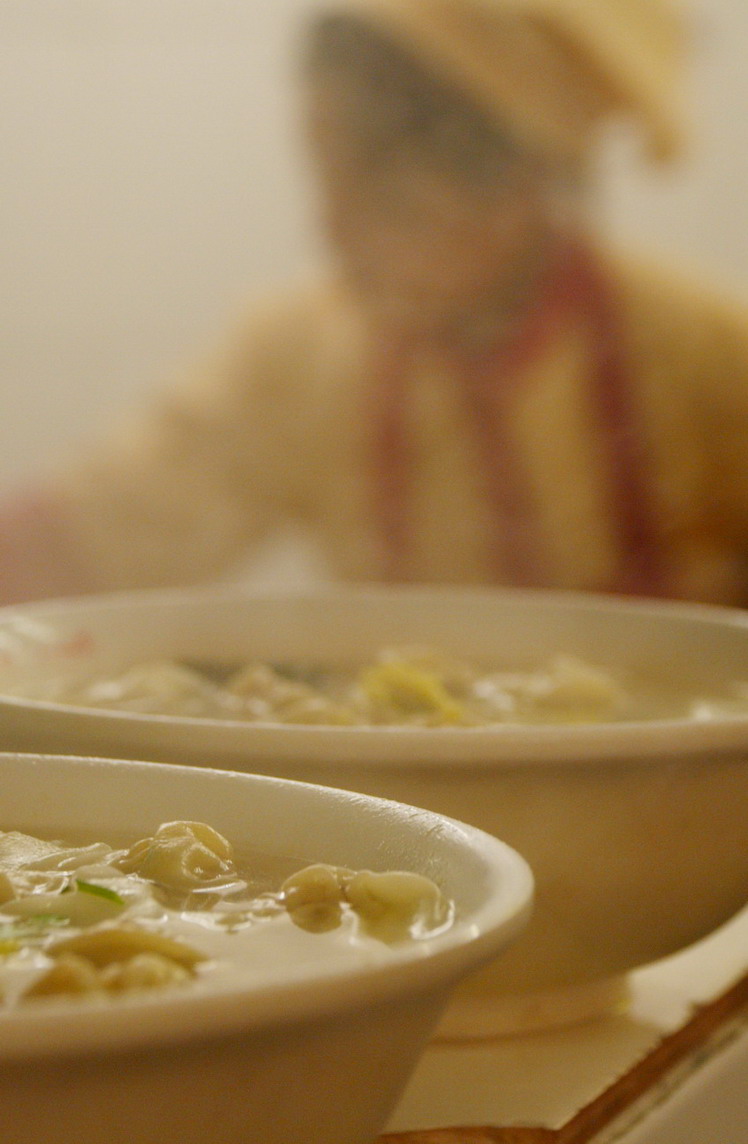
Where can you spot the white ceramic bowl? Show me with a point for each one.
(637, 832)
(320, 1057)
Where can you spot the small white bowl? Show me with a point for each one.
(321, 1056)
(637, 832)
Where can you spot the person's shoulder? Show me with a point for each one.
(303, 311)
(294, 344)
(683, 326)
(675, 292)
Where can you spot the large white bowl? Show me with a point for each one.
(321, 1057)
(637, 832)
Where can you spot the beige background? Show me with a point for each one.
(153, 175)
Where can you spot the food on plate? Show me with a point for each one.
(178, 908)
(400, 686)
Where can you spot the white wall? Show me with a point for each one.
(153, 174)
(698, 211)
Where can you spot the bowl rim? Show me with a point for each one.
(224, 1010)
(419, 747)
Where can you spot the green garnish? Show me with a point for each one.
(99, 891)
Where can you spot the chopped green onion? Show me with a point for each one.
(99, 891)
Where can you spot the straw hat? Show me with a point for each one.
(554, 70)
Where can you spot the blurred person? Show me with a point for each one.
(480, 391)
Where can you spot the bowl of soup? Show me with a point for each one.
(191, 955)
(606, 739)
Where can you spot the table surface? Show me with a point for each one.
(673, 1067)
